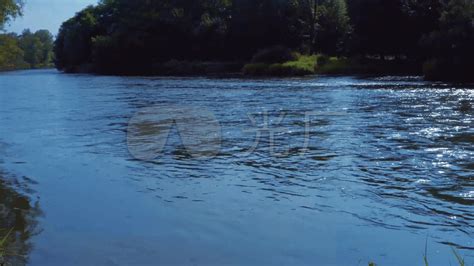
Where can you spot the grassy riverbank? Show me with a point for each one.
(321, 64)
(302, 65)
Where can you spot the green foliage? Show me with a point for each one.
(452, 56)
(29, 50)
(334, 66)
(46, 49)
(11, 55)
(73, 45)
(132, 37)
(333, 27)
(9, 9)
(303, 65)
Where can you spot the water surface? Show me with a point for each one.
(388, 166)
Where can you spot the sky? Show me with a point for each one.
(47, 14)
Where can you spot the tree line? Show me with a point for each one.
(122, 36)
(25, 50)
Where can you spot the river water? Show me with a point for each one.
(304, 171)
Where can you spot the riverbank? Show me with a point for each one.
(325, 65)
(302, 65)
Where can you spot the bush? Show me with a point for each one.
(303, 65)
(273, 55)
(335, 66)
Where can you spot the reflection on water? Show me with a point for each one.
(389, 163)
(17, 220)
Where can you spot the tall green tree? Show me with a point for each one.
(333, 27)
(31, 47)
(47, 44)
(73, 45)
(37, 47)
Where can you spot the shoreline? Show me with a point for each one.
(301, 67)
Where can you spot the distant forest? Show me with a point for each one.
(27, 50)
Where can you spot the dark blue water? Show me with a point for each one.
(381, 167)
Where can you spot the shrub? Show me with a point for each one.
(273, 55)
(303, 65)
(333, 65)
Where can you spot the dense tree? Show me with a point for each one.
(333, 27)
(31, 47)
(257, 24)
(37, 47)
(452, 54)
(28, 50)
(47, 44)
(122, 36)
(73, 45)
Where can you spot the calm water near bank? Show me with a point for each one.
(382, 166)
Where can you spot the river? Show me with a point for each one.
(304, 171)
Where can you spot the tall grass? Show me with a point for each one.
(3, 246)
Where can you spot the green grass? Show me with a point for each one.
(303, 65)
(336, 65)
(306, 65)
